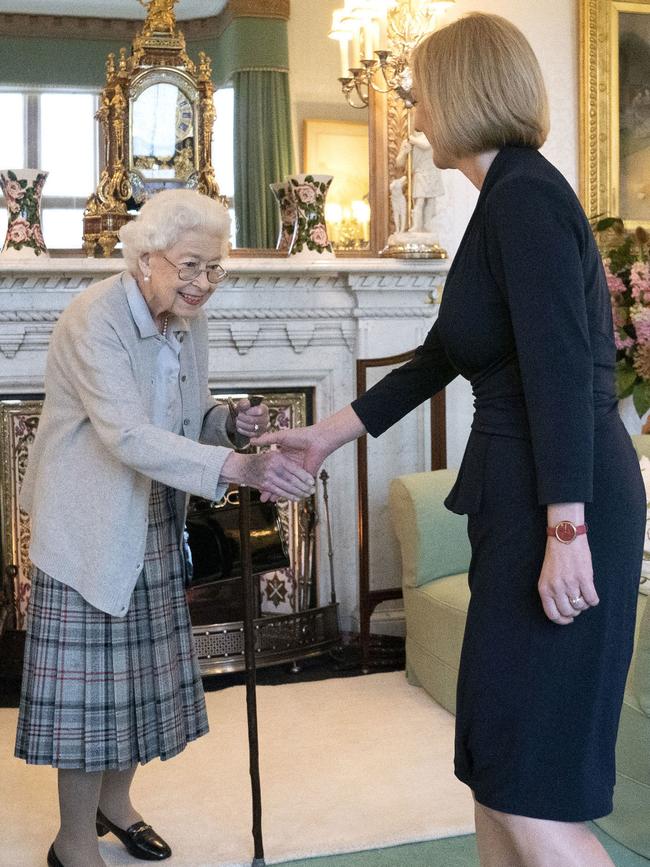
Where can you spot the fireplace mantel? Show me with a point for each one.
(274, 323)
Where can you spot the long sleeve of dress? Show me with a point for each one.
(534, 240)
(406, 387)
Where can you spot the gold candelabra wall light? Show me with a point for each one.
(376, 38)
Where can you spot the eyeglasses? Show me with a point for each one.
(187, 273)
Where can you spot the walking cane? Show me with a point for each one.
(250, 597)
(251, 678)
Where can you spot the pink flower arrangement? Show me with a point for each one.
(626, 259)
(640, 282)
(615, 284)
(640, 317)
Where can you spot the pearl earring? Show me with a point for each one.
(147, 279)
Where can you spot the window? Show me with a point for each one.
(55, 131)
(223, 158)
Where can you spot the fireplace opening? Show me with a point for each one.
(291, 624)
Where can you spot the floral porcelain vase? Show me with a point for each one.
(310, 239)
(287, 206)
(22, 189)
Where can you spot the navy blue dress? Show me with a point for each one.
(526, 318)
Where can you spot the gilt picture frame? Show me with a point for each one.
(615, 109)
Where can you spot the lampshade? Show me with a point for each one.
(342, 29)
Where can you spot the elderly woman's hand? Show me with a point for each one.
(251, 420)
(271, 472)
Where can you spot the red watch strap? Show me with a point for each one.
(566, 531)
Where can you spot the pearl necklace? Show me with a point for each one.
(164, 328)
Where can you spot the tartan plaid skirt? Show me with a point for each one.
(102, 692)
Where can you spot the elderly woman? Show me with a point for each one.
(550, 480)
(128, 429)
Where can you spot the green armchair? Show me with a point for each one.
(435, 559)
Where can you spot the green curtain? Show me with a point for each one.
(263, 152)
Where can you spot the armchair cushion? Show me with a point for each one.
(435, 618)
(433, 541)
(642, 444)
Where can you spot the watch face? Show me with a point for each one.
(565, 531)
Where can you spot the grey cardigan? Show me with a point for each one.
(89, 473)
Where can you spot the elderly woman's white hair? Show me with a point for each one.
(168, 215)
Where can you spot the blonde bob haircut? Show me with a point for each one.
(168, 215)
(480, 85)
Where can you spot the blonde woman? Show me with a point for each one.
(128, 427)
(550, 481)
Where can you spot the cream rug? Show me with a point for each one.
(346, 765)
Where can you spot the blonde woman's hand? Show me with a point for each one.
(271, 472)
(567, 575)
(306, 446)
(309, 446)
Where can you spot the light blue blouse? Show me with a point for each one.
(167, 405)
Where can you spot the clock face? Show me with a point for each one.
(184, 117)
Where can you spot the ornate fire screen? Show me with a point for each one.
(290, 626)
(18, 424)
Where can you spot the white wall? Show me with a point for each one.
(552, 29)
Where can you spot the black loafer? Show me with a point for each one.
(140, 839)
(52, 860)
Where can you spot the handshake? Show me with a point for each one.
(286, 472)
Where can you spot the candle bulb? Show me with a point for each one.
(356, 50)
(383, 34)
(376, 41)
(342, 34)
(345, 64)
(367, 40)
